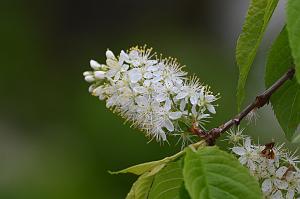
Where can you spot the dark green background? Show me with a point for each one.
(57, 141)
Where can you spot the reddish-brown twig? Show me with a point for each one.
(261, 100)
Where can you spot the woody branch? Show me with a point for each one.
(261, 100)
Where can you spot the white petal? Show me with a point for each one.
(181, 95)
(163, 136)
(135, 75)
(152, 68)
(151, 62)
(169, 125)
(141, 101)
(156, 79)
(168, 104)
(247, 143)
(251, 165)
(201, 95)
(147, 83)
(99, 74)
(135, 63)
(243, 160)
(194, 99)
(148, 75)
(161, 97)
(178, 81)
(98, 91)
(239, 150)
(117, 76)
(95, 65)
(111, 101)
(267, 186)
(210, 98)
(140, 89)
(123, 57)
(290, 194)
(124, 67)
(280, 184)
(112, 63)
(281, 171)
(134, 54)
(211, 108)
(110, 54)
(203, 116)
(168, 83)
(175, 115)
(277, 195)
(182, 104)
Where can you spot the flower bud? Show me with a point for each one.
(89, 78)
(87, 73)
(99, 74)
(110, 55)
(91, 88)
(95, 65)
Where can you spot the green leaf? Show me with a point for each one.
(141, 187)
(293, 27)
(286, 100)
(210, 173)
(258, 16)
(183, 194)
(296, 139)
(168, 182)
(148, 166)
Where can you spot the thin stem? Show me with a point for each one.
(259, 102)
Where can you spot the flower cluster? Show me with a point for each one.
(153, 93)
(274, 167)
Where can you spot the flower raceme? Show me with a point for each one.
(152, 93)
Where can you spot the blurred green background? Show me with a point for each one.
(57, 141)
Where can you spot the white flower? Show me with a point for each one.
(146, 91)
(247, 154)
(191, 90)
(206, 99)
(274, 180)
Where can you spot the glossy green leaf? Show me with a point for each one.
(168, 182)
(183, 194)
(141, 187)
(286, 100)
(293, 27)
(258, 16)
(210, 173)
